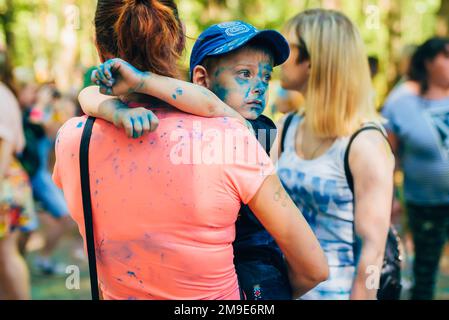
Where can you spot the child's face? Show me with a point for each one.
(241, 80)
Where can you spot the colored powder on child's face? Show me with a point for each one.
(241, 81)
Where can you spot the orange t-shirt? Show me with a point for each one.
(165, 205)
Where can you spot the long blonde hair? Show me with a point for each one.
(339, 96)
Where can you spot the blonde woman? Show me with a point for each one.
(328, 64)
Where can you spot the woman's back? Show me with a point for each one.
(164, 229)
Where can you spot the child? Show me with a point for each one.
(235, 61)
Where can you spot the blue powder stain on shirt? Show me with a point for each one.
(79, 125)
(132, 274)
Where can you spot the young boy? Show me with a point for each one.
(235, 61)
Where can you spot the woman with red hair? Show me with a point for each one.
(164, 230)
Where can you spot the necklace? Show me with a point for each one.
(312, 156)
(316, 150)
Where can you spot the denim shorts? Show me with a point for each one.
(47, 193)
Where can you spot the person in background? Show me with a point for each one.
(418, 126)
(373, 63)
(43, 116)
(16, 202)
(286, 101)
(329, 65)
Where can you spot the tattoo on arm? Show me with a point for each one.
(281, 195)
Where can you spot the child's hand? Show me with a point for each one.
(136, 121)
(117, 77)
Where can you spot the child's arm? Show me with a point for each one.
(136, 121)
(90, 100)
(117, 77)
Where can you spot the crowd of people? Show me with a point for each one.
(199, 191)
(31, 117)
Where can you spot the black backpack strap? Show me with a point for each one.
(350, 179)
(87, 206)
(390, 287)
(287, 123)
(348, 173)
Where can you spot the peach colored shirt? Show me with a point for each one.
(163, 230)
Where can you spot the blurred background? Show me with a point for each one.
(50, 44)
(53, 39)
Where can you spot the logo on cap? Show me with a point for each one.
(225, 25)
(233, 29)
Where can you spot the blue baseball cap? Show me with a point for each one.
(225, 37)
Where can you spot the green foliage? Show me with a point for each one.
(387, 26)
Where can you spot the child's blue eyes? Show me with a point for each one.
(247, 74)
